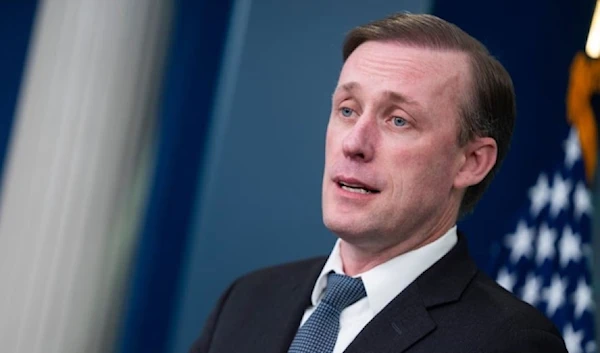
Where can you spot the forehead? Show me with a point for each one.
(421, 74)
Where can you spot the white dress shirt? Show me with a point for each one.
(382, 284)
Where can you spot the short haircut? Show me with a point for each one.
(487, 110)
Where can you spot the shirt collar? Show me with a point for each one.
(404, 269)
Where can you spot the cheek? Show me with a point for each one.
(331, 142)
(422, 170)
(441, 171)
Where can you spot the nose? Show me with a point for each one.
(359, 143)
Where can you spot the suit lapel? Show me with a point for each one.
(399, 325)
(406, 319)
(281, 315)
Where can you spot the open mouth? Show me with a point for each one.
(356, 188)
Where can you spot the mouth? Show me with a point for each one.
(356, 187)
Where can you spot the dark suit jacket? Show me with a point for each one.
(451, 307)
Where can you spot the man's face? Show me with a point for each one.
(392, 152)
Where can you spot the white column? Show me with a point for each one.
(76, 173)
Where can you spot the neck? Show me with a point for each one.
(361, 256)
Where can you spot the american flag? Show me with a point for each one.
(546, 259)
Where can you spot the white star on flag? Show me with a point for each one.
(582, 201)
(559, 198)
(539, 195)
(572, 149)
(520, 242)
(582, 298)
(545, 244)
(590, 347)
(506, 280)
(569, 247)
(531, 289)
(572, 339)
(554, 295)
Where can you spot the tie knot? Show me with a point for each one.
(343, 291)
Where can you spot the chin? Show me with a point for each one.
(346, 227)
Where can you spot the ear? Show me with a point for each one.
(479, 158)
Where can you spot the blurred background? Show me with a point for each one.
(151, 151)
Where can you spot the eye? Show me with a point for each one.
(398, 121)
(347, 112)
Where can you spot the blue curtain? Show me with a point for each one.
(193, 63)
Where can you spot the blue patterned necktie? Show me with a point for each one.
(319, 333)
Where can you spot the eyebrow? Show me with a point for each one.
(349, 87)
(353, 87)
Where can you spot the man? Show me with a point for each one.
(421, 118)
